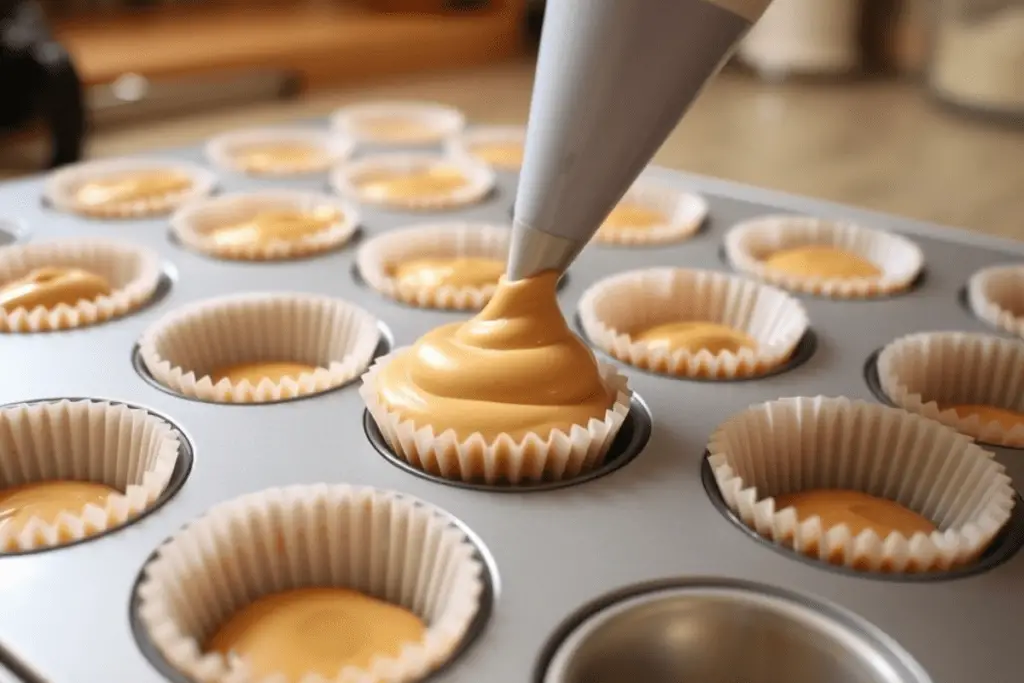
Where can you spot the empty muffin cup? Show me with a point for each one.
(414, 181)
(127, 188)
(255, 348)
(266, 226)
(397, 123)
(869, 467)
(693, 323)
(73, 469)
(828, 258)
(500, 147)
(972, 382)
(385, 586)
(651, 213)
(278, 152)
(996, 295)
(447, 265)
(69, 283)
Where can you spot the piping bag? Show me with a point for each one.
(613, 79)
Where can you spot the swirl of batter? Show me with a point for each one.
(515, 368)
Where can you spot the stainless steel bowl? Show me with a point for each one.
(727, 632)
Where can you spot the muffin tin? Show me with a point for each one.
(566, 563)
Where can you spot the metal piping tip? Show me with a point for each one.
(533, 252)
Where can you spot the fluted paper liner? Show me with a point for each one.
(996, 296)
(614, 308)
(438, 120)
(383, 544)
(748, 244)
(560, 456)
(468, 141)
(133, 273)
(480, 180)
(62, 185)
(379, 255)
(801, 444)
(181, 349)
(685, 213)
(194, 224)
(224, 150)
(925, 373)
(95, 441)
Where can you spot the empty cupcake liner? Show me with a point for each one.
(61, 186)
(386, 545)
(468, 142)
(929, 372)
(503, 460)
(801, 444)
(379, 255)
(132, 271)
(481, 179)
(899, 259)
(94, 441)
(996, 295)
(685, 213)
(433, 122)
(194, 224)
(225, 150)
(616, 307)
(184, 347)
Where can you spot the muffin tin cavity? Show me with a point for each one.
(720, 630)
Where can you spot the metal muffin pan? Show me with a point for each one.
(65, 613)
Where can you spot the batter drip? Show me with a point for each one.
(695, 337)
(255, 373)
(1007, 419)
(46, 500)
(49, 287)
(515, 368)
(507, 155)
(452, 272)
(819, 261)
(271, 157)
(315, 630)
(130, 187)
(430, 181)
(858, 511)
(276, 226)
(632, 216)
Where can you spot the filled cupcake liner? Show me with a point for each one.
(801, 444)
(481, 180)
(503, 460)
(686, 213)
(92, 441)
(439, 122)
(899, 259)
(925, 373)
(181, 349)
(466, 143)
(615, 307)
(194, 223)
(382, 544)
(61, 186)
(996, 295)
(377, 256)
(132, 271)
(223, 150)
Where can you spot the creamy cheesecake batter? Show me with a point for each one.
(49, 287)
(275, 156)
(452, 272)
(506, 155)
(633, 216)
(1007, 419)
(426, 182)
(255, 373)
(817, 261)
(695, 336)
(130, 187)
(46, 500)
(282, 225)
(396, 129)
(858, 511)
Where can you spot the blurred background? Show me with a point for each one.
(912, 107)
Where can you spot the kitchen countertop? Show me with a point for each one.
(877, 144)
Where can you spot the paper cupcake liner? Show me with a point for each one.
(559, 457)
(996, 296)
(223, 150)
(799, 444)
(481, 180)
(61, 185)
(386, 545)
(194, 223)
(438, 121)
(124, 448)
(923, 373)
(616, 306)
(466, 143)
(686, 213)
(181, 349)
(446, 240)
(132, 271)
(899, 259)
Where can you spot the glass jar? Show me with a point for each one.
(977, 56)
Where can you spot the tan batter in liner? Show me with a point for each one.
(420, 181)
